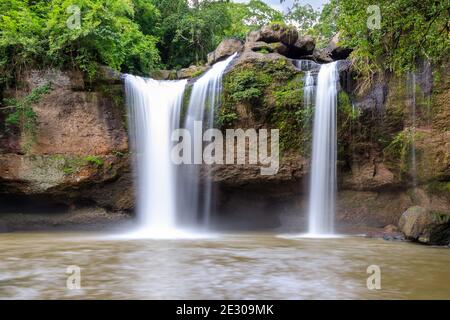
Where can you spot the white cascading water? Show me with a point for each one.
(153, 115)
(324, 156)
(195, 192)
(411, 88)
(308, 88)
(308, 93)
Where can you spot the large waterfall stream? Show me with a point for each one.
(152, 106)
(166, 193)
(323, 160)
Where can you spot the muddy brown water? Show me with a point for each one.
(245, 266)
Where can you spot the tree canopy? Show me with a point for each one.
(141, 35)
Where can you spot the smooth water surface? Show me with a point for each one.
(253, 266)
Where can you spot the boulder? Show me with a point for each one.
(164, 74)
(191, 72)
(321, 56)
(335, 51)
(108, 75)
(414, 222)
(225, 49)
(276, 33)
(420, 224)
(276, 47)
(304, 46)
(390, 228)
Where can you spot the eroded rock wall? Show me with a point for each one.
(78, 149)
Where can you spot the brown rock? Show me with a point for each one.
(278, 33)
(304, 46)
(191, 72)
(336, 51)
(369, 176)
(390, 228)
(414, 222)
(225, 49)
(276, 47)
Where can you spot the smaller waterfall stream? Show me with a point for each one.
(411, 87)
(195, 194)
(323, 160)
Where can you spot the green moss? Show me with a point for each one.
(398, 151)
(185, 103)
(438, 186)
(272, 91)
(264, 51)
(73, 164)
(197, 73)
(246, 85)
(290, 115)
(226, 117)
(94, 160)
(68, 170)
(289, 95)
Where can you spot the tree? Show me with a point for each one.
(304, 17)
(251, 16)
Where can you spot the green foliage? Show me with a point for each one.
(326, 26)
(226, 117)
(68, 170)
(250, 16)
(22, 114)
(48, 33)
(188, 33)
(106, 34)
(304, 16)
(410, 31)
(289, 95)
(246, 85)
(399, 149)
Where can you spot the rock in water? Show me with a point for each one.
(414, 221)
(420, 224)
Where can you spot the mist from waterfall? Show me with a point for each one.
(324, 155)
(153, 114)
(195, 187)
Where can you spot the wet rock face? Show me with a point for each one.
(80, 145)
(420, 224)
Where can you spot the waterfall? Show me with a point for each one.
(195, 190)
(411, 88)
(153, 115)
(308, 93)
(309, 67)
(323, 160)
